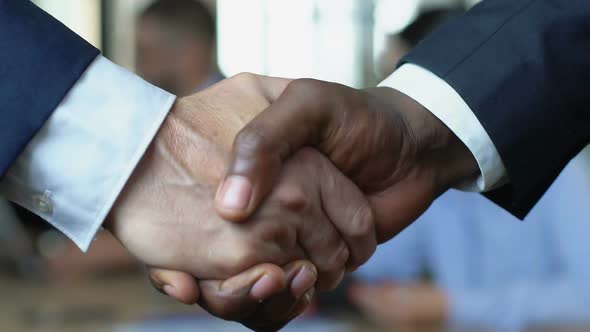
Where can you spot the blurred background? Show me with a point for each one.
(464, 266)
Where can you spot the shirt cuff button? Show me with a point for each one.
(42, 203)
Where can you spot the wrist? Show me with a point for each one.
(450, 161)
(152, 157)
(458, 164)
(435, 148)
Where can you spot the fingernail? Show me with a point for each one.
(303, 282)
(235, 193)
(169, 290)
(304, 303)
(262, 288)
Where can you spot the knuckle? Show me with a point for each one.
(341, 256)
(293, 198)
(363, 238)
(313, 165)
(155, 280)
(338, 260)
(323, 100)
(329, 181)
(362, 224)
(281, 234)
(242, 255)
(301, 83)
(307, 155)
(244, 77)
(306, 86)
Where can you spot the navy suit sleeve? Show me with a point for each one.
(523, 67)
(40, 61)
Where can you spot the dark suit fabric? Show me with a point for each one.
(40, 61)
(523, 67)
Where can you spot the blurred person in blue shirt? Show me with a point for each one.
(487, 269)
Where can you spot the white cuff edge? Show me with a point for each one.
(102, 213)
(446, 104)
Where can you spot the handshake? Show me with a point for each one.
(316, 174)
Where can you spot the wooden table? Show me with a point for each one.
(98, 306)
(92, 306)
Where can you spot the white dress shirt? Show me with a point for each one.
(75, 167)
(446, 104)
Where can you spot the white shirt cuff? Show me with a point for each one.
(446, 104)
(74, 168)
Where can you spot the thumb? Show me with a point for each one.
(238, 296)
(259, 150)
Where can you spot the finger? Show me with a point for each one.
(349, 211)
(295, 119)
(303, 280)
(179, 285)
(326, 249)
(303, 303)
(277, 311)
(322, 243)
(238, 297)
(401, 204)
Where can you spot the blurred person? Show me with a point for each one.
(175, 46)
(487, 270)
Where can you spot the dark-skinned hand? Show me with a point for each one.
(395, 150)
